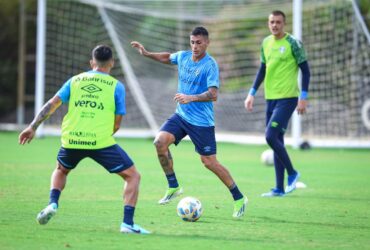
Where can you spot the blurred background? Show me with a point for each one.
(334, 32)
(18, 53)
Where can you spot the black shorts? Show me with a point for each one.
(114, 159)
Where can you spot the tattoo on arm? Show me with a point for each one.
(204, 97)
(42, 116)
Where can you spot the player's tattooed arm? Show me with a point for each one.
(46, 111)
(209, 95)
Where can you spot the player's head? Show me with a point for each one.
(199, 42)
(276, 23)
(102, 57)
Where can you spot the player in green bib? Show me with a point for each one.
(282, 56)
(96, 104)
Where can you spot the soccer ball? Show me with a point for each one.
(267, 157)
(189, 209)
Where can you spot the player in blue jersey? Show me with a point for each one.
(282, 56)
(198, 83)
(96, 104)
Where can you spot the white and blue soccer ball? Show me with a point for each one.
(267, 157)
(189, 209)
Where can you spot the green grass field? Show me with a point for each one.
(333, 212)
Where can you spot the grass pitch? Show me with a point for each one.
(333, 212)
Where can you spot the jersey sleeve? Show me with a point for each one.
(120, 99)
(298, 51)
(213, 77)
(64, 92)
(175, 57)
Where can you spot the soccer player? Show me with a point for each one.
(281, 56)
(198, 83)
(96, 104)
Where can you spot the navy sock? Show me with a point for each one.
(237, 195)
(54, 196)
(172, 181)
(128, 215)
(289, 167)
(279, 173)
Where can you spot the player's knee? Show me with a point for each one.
(160, 146)
(270, 137)
(137, 177)
(133, 177)
(62, 169)
(207, 162)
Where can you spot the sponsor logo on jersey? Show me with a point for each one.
(91, 88)
(81, 142)
(94, 79)
(90, 96)
(89, 104)
(282, 49)
(82, 134)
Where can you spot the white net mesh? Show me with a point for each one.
(338, 52)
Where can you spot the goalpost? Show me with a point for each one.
(336, 41)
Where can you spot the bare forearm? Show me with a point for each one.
(41, 116)
(208, 96)
(204, 97)
(46, 111)
(163, 57)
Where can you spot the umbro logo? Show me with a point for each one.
(91, 88)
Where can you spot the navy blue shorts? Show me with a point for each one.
(114, 159)
(278, 113)
(203, 138)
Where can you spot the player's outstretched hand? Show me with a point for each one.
(248, 103)
(26, 136)
(139, 47)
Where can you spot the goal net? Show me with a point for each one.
(334, 37)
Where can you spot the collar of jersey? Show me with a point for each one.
(98, 72)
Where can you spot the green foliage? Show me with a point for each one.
(9, 38)
(364, 6)
(331, 213)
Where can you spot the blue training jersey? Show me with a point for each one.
(195, 78)
(119, 94)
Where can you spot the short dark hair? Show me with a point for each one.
(278, 13)
(200, 31)
(102, 53)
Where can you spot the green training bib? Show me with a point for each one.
(89, 121)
